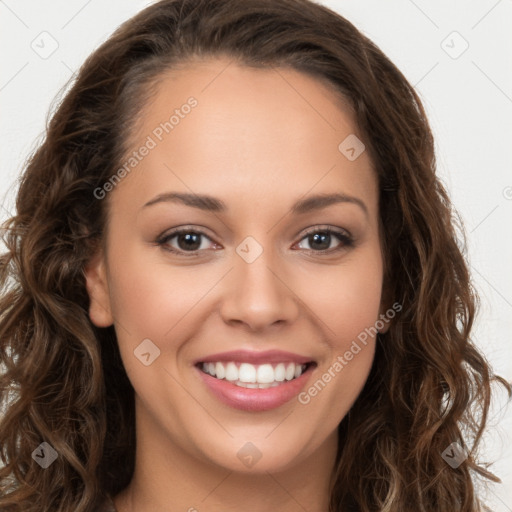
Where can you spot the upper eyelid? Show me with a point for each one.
(181, 229)
(320, 228)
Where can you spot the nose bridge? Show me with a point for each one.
(257, 295)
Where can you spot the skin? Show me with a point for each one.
(259, 140)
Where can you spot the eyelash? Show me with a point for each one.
(344, 237)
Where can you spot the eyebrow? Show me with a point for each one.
(213, 204)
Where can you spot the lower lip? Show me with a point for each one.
(253, 400)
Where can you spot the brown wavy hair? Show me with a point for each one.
(62, 378)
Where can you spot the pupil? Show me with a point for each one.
(190, 241)
(324, 239)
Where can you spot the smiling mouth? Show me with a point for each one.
(255, 376)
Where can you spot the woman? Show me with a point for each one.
(238, 277)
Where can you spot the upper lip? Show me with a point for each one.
(256, 357)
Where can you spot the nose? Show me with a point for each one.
(259, 295)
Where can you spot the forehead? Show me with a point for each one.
(251, 131)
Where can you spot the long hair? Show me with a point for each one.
(63, 380)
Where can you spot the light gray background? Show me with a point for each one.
(467, 94)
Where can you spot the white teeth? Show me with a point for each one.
(247, 373)
(290, 371)
(231, 372)
(254, 386)
(220, 371)
(265, 374)
(254, 376)
(280, 372)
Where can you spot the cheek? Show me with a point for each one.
(346, 302)
(345, 299)
(150, 300)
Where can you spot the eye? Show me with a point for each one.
(185, 240)
(190, 242)
(321, 240)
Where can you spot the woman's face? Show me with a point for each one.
(272, 276)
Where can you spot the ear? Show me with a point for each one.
(383, 317)
(97, 287)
